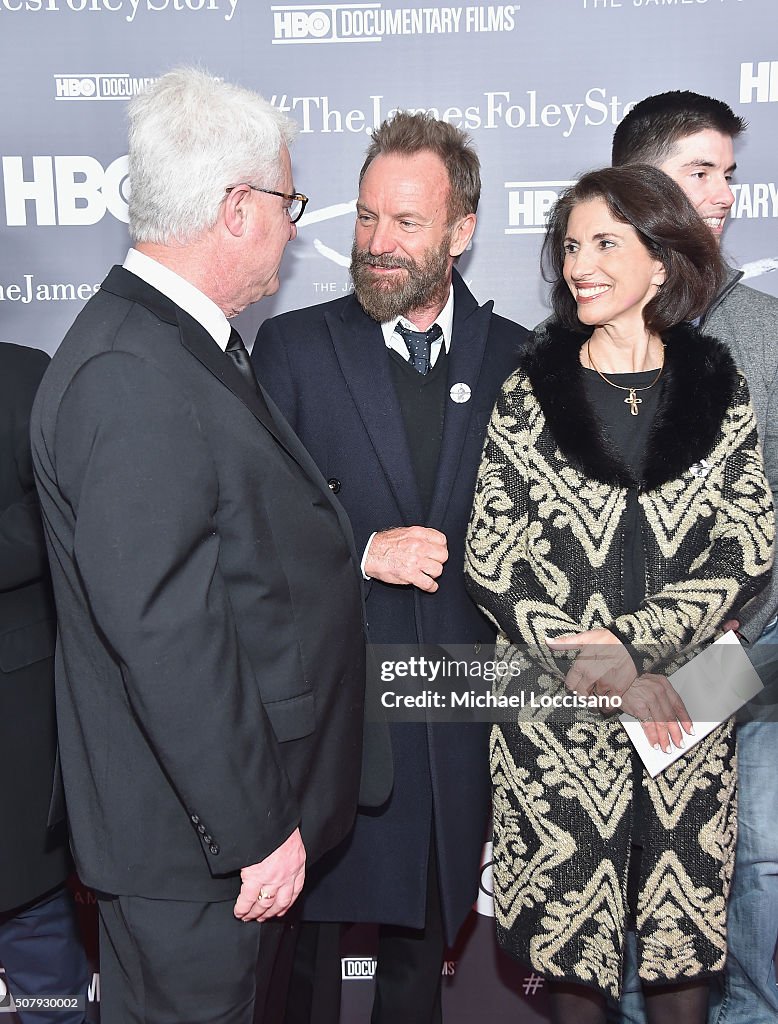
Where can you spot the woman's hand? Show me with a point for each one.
(603, 667)
(659, 709)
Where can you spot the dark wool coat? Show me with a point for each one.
(544, 558)
(328, 369)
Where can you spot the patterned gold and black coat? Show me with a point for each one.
(544, 558)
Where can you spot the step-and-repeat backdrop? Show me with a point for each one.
(540, 85)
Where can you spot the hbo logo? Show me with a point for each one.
(85, 88)
(74, 190)
(294, 25)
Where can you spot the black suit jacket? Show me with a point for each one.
(328, 368)
(210, 663)
(32, 858)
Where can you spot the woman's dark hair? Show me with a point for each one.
(668, 226)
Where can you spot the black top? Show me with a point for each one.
(628, 435)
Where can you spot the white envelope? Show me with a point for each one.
(713, 686)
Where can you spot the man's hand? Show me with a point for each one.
(407, 554)
(659, 709)
(271, 887)
(603, 667)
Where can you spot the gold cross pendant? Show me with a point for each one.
(633, 401)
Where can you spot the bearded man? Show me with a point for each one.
(391, 389)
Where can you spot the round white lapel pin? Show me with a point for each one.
(460, 393)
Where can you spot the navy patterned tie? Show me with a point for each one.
(419, 343)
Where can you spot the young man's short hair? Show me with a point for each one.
(650, 131)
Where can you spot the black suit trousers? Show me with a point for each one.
(408, 972)
(169, 961)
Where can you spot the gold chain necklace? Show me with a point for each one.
(632, 399)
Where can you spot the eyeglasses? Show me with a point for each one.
(297, 201)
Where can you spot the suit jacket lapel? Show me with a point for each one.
(201, 345)
(468, 344)
(364, 361)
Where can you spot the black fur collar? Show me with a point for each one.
(699, 383)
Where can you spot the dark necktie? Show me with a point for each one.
(236, 350)
(419, 343)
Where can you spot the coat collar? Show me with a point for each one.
(700, 380)
(733, 278)
(361, 351)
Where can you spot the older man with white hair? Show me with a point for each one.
(210, 703)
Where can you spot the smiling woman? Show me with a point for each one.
(611, 274)
(655, 222)
(591, 531)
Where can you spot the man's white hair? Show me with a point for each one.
(191, 136)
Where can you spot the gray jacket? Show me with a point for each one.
(747, 321)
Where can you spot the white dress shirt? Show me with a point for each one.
(178, 290)
(445, 320)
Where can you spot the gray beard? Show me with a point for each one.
(425, 284)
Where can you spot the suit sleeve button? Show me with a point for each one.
(201, 829)
(195, 820)
(207, 839)
(214, 849)
(333, 484)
